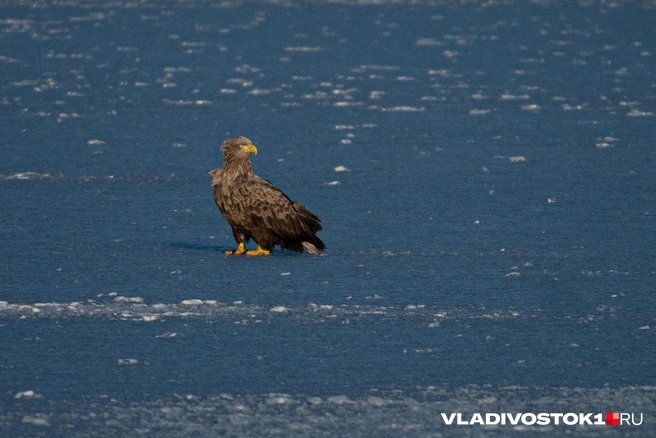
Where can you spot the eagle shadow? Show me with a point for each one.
(197, 247)
(222, 249)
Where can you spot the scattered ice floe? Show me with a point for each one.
(376, 310)
(407, 412)
(606, 142)
(637, 113)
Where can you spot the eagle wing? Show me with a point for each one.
(268, 207)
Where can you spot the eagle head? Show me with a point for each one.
(239, 147)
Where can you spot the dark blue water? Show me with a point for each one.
(494, 229)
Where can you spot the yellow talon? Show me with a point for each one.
(258, 252)
(240, 250)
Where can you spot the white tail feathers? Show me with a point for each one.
(312, 249)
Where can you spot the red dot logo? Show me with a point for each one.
(612, 418)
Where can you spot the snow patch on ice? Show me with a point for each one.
(29, 394)
(27, 176)
(280, 309)
(303, 49)
(637, 113)
(36, 420)
(429, 42)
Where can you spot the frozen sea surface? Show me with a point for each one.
(486, 176)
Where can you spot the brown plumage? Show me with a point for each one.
(256, 209)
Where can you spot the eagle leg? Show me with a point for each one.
(258, 252)
(240, 250)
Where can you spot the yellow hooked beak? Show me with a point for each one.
(251, 149)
